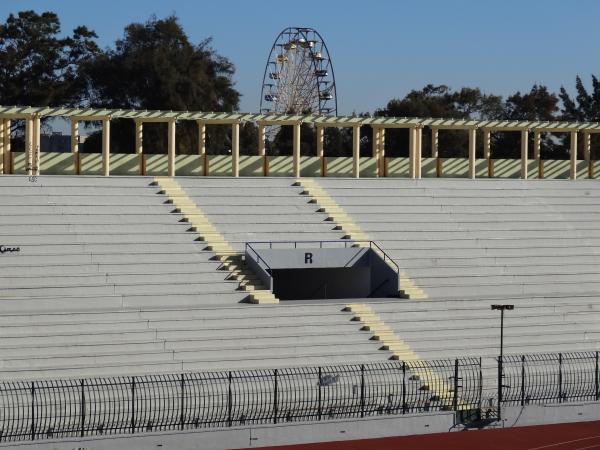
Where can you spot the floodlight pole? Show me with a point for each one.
(501, 308)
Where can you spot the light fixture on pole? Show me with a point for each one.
(501, 308)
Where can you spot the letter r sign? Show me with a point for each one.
(308, 258)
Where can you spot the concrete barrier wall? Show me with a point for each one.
(520, 416)
(63, 163)
(189, 165)
(55, 163)
(429, 167)
(556, 168)
(398, 167)
(339, 166)
(368, 167)
(582, 169)
(18, 163)
(219, 165)
(91, 164)
(157, 165)
(259, 435)
(280, 166)
(251, 166)
(310, 166)
(455, 167)
(123, 164)
(506, 168)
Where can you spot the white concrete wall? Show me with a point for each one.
(258, 436)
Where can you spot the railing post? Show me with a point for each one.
(133, 404)
(455, 397)
(82, 408)
(275, 399)
(560, 396)
(33, 410)
(499, 388)
(403, 387)
(362, 390)
(320, 397)
(182, 402)
(480, 384)
(522, 380)
(597, 381)
(229, 403)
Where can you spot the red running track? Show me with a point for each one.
(566, 436)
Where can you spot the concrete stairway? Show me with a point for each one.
(460, 239)
(437, 329)
(259, 209)
(108, 280)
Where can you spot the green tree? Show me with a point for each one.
(538, 104)
(155, 66)
(438, 101)
(585, 108)
(37, 67)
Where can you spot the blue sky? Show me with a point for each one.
(380, 49)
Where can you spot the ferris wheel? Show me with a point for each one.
(299, 77)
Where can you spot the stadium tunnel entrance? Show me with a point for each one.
(323, 269)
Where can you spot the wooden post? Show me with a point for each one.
(202, 146)
(524, 153)
(537, 145)
(262, 148)
(321, 149)
(171, 147)
(74, 136)
(375, 150)
(412, 144)
(487, 143)
(573, 150)
(7, 153)
(435, 153)
(296, 150)
(587, 146)
(418, 152)
(106, 147)
(487, 151)
(262, 140)
(472, 143)
(2, 128)
(356, 151)
(587, 154)
(235, 149)
(139, 145)
(382, 166)
(37, 138)
(28, 145)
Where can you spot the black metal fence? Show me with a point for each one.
(550, 378)
(99, 406)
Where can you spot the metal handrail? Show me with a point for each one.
(259, 259)
(372, 245)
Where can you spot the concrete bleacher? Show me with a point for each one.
(534, 244)
(460, 239)
(259, 209)
(110, 281)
